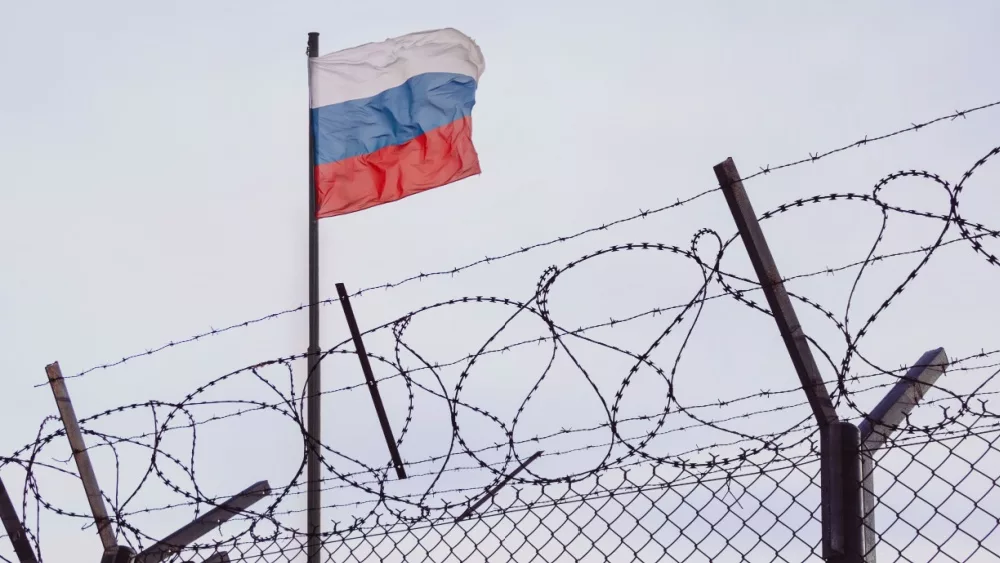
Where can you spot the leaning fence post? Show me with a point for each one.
(79, 448)
(177, 541)
(359, 346)
(797, 344)
(884, 420)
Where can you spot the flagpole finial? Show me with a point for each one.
(312, 48)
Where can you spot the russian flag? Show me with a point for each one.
(393, 119)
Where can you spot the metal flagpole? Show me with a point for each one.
(313, 388)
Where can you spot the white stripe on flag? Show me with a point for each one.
(364, 71)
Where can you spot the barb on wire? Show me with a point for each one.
(641, 214)
(649, 459)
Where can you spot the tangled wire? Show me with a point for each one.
(624, 453)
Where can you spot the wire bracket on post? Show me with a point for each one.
(883, 421)
(496, 488)
(79, 448)
(773, 286)
(204, 524)
(15, 529)
(359, 346)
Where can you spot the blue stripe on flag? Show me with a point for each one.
(393, 117)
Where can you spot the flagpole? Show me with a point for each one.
(313, 388)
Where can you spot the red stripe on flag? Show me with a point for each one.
(438, 157)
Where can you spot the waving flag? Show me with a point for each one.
(393, 119)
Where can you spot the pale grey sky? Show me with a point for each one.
(153, 168)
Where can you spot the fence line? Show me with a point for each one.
(734, 479)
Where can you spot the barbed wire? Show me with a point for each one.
(672, 474)
(641, 214)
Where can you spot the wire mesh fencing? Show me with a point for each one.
(936, 489)
(599, 453)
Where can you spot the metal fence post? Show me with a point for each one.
(845, 440)
(797, 344)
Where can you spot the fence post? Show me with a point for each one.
(845, 508)
(79, 448)
(832, 489)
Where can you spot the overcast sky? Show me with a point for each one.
(153, 164)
